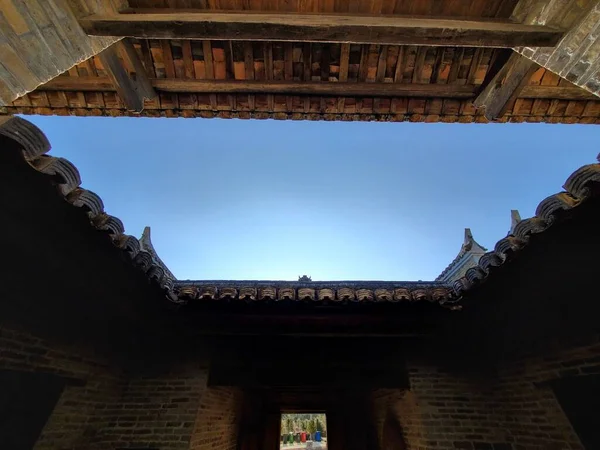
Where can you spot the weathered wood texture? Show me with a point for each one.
(133, 90)
(174, 65)
(97, 84)
(398, 30)
(452, 8)
(505, 86)
(577, 56)
(41, 39)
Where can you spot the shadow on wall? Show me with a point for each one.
(392, 433)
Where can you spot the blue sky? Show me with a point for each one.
(239, 199)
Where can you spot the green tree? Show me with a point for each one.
(318, 425)
(311, 426)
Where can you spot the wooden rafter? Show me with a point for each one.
(397, 30)
(505, 86)
(345, 89)
(132, 90)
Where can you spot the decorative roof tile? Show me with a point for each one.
(146, 245)
(468, 256)
(333, 292)
(267, 293)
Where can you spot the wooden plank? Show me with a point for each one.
(505, 87)
(149, 64)
(437, 66)
(249, 61)
(188, 60)
(132, 92)
(455, 66)
(398, 30)
(499, 59)
(557, 93)
(288, 58)
(209, 69)
(343, 75)
(307, 59)
(131, 58)
(399, 71)
(325, 63)
(104, 84)
(344, 61)
(381, 64)
(475, 62)
(288, 70)
(419, 61)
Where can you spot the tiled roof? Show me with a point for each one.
(63, 173)
(317, 291)
(580, 186)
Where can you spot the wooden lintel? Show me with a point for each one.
(132, 90)
(505, 86)
(397, 30)
(342, 89)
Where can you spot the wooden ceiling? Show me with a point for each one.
(452, 8)
(311, 80)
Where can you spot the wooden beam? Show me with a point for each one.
(347, 89)
(397, 30)
(505, 86)
(132, 89)
(499, 59)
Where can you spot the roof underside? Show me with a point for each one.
(315, 81)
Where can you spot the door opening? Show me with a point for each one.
(303, 431)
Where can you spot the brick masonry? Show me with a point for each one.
(79, 417)
(512, 407)
(107, 409)
(217, 420)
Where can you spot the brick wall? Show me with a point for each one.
(157, 410)
(106, 409)
(79, 417)
(217, 422)
(174, 410)
(443, 410)
(512, 408)
(532, 415)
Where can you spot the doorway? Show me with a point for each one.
(301, 431)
